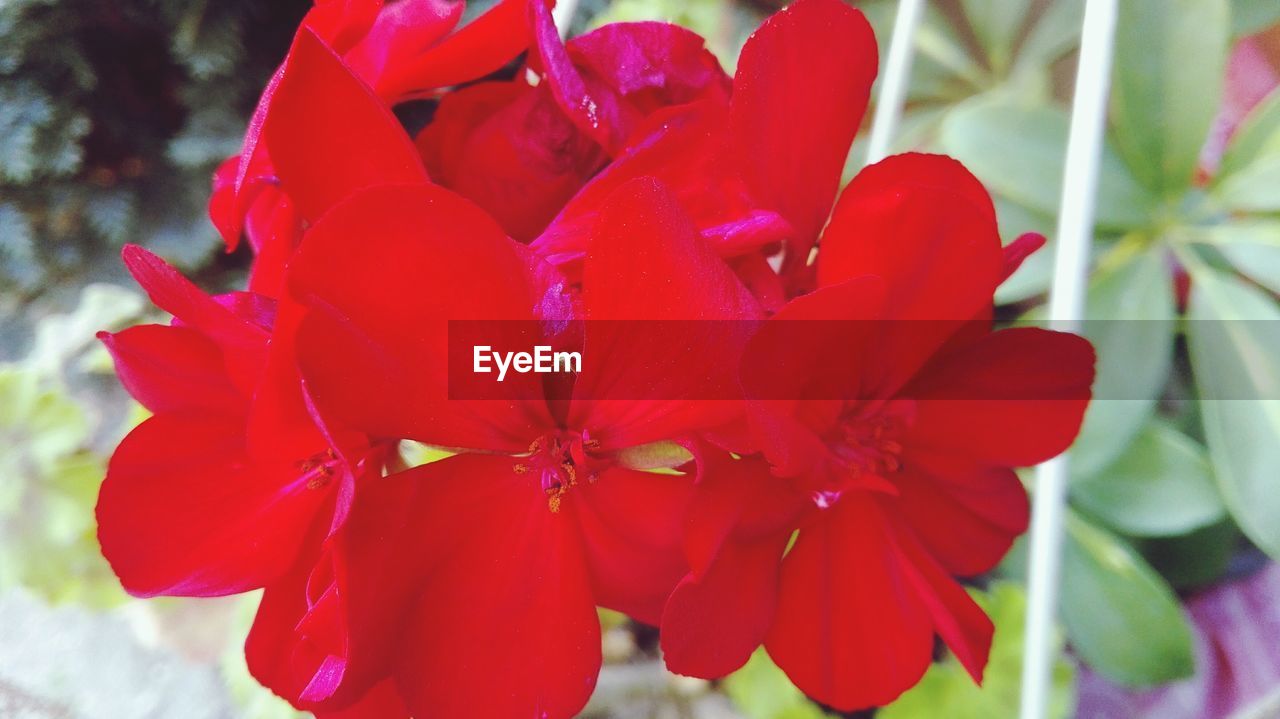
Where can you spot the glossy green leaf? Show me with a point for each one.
(947, 690)
(1234, 338)
(1170, 56)
(760, 690)
(1259, 132)
(1162, 485)
(1018, 152)
(1121, 617)
(1129, 314)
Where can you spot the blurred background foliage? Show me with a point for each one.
(113, 116)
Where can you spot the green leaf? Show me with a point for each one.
(1161, 486)
(1255, 187)
(1121, 617)
(1234, 338)
(1129, 313)
(761, 690)
(1018, 152)
(1056, 32)
(60, 337)
(996, 24)
(1169, 65)
(947, 685)
(1250, 16)
(1252, 246)
(1260, 131)
(1195, 559)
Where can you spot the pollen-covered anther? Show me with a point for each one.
(319, 468)
(560, 461)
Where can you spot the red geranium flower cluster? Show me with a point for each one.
(823, 507)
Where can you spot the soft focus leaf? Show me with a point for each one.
(1259, 132)
(1170, 56)
(1019, 151)
(1252, 246)
(1129, 317)
(1253, 188)
(1033, 277)
(1234, 338)
(1237, 660)
(1056, 32)
(996, 24)
(1110, 598)
(1162, 485)
(1250, 16)
(60, 337)
(947, 686)
(1192, 560)
(761, 690)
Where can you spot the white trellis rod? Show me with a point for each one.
(1066, 299)
(1066, 309)
(894, 80)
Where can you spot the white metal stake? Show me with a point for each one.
(1066, 309)
(563, 14)
(894, 81)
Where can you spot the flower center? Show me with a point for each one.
(866, 448)
(319, 468)
(560, 460)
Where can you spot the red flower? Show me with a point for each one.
(522, 150)
(516, 540)
(764, 167)
(217, 491)
(387, 55)
(892, 458)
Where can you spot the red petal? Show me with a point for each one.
(480, 48)
(183, 511)
(802, 85)
(966, 518)
(713, 622)
(851, 630)
(598, 115)
(512, 599)
(740, 522)
(329, 632)
(243, 343)
(802, 363)
(382, 702)
(1018, 251)
(223, 211)
(1013, 398)
(924, 225)
(341, 23)
(384, 273)
(510, 149)
(957, 618)
(651, 64)
(402, 30)
(631, 522)
(172, 369)
(642, 235)
(329, 135)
